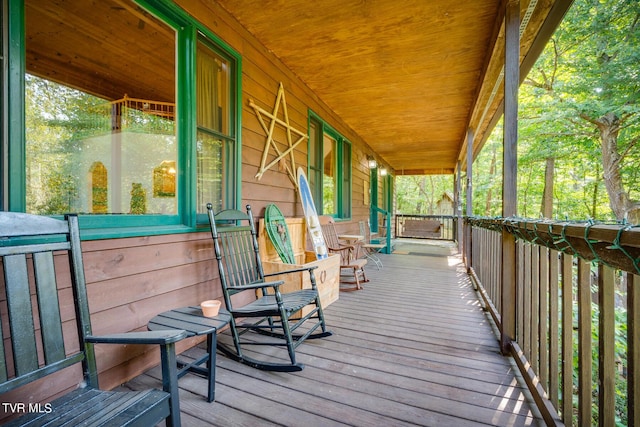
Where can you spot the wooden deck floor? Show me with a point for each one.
(413, 348)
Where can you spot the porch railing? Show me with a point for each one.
(577, 313)
(424, 226)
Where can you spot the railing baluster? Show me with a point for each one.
(543, 301)
(528, 302)
(535, 308)
(606, 347)
(521, 300)
(584, 343)
(633, 352)
(554, 328)
(567, 340)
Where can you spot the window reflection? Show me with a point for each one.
(99, 99)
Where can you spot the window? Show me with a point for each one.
(213, 121)
(329, 169)
(104, 100)
(110, 105)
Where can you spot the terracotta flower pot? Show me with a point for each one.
(210, 308)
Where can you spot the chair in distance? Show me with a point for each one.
(272, 315)
(370, 250)
(350, 259)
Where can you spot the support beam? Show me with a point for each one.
(510, 169)
(458, 205)
(469, 210)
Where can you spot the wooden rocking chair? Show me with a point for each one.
(269, 312)
(349, 255)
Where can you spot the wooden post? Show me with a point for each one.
(469, 210)
(458, 207)
(509, 171)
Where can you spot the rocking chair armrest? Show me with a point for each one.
(143, 337)
(295, 270)
(342, 248)
(258, 285)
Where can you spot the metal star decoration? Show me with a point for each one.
(270, 142)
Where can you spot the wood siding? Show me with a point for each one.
(130, 280)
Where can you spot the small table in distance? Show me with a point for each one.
(195, 323)
(354, 240)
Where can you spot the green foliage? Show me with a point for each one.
(61, 193)
(419, 194)
(589, 69)
(328, 195)
(55, 115)
(138, 199)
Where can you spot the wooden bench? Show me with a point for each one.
(427, 228)
(43, 274)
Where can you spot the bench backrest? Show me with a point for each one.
(41, 261)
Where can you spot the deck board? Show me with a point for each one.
(413, 348)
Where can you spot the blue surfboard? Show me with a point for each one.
(311, 216)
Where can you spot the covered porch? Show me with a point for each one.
(415, 347)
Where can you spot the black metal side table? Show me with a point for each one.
(195, 323)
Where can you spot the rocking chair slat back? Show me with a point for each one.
(238, 257)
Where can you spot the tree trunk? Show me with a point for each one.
(609, 126)
(421, 183)
(492, 172)
(547, 195)
(432, 196)
(594, 195)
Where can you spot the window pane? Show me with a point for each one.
(209, 158)
(100, 96)
(330, 189)
(212, 90)
(213, 112)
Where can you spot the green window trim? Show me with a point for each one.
(98, 226)
(316, 166)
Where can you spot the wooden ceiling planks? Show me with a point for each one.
(409, 76)
(398, 72)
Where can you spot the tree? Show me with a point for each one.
(585, 91)
(418, 194)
